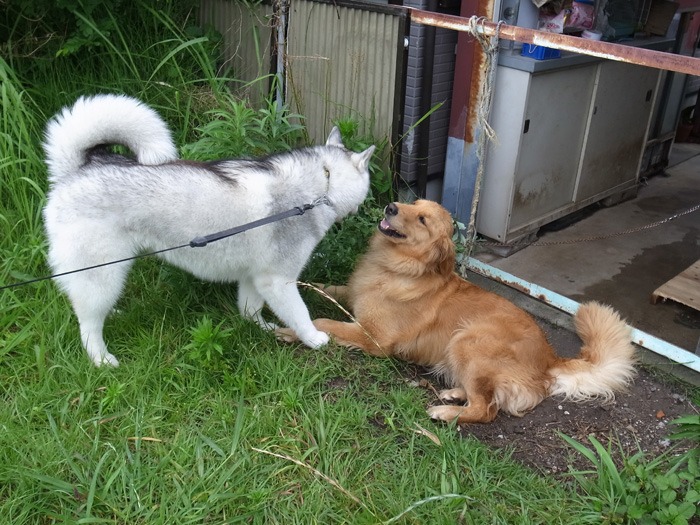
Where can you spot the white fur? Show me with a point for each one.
(608, 357)
(102, 207)
(106, 119)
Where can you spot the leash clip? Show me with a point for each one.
(199, 242)
(323, 199)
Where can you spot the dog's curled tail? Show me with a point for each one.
(605, 364)
(105, 120)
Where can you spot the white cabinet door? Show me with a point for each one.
(552, 137)
(566, 138)
(616, 136)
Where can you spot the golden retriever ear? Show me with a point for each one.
(444, 256)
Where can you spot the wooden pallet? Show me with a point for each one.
(684, 288)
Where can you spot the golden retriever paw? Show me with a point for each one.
(286, 335)
(453, 395)
(444, 412)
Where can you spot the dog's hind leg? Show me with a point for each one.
(482, 407)
(453, 395)
(472, 375)
(91, 325)
(282, 296)
(93, 294)
(251, 303)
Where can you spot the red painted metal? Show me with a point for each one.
(607, 50)
(469, 72)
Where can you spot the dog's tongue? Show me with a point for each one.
(384, 225)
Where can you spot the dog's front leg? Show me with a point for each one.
(282, 296)
(352, 335)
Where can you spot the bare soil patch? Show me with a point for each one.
(636, 421)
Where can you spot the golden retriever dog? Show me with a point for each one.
(410, 304)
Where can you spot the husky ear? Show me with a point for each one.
(334, 139)
(361, 160)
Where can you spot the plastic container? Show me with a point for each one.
(591, 35)
(539, 52)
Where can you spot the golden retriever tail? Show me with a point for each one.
(605, 364)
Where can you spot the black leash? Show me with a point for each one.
(197, 242)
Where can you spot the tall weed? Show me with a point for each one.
(21, 187)
(143, 52)
(235, 129)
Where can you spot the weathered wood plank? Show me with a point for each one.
(684, 288)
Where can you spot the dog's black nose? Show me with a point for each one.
(391, 209)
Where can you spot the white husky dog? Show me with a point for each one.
(103, 207)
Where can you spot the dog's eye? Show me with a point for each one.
(421, 219)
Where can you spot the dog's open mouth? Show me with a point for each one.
(387, 230)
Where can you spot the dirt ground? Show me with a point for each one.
(638, 420)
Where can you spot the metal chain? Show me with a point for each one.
(593, 237)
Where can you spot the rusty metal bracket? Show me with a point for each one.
(607, 50)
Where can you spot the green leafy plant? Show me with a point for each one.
(382, 185)
(206, 347)
(334, 258)
(234, 129)
(665, 490)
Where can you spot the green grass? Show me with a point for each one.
(262, 432)
(208, 419)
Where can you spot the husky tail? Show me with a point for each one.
(105, 120)
(606, 362)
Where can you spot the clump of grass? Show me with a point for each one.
(20, 160)
(688, 428)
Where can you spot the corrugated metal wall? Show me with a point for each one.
(343, 61)
(247, 35)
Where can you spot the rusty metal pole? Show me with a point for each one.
(607, 50)
(461, 155)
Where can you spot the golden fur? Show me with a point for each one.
(410, 304)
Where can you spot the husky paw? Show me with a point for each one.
(105, 360)
(316, 340)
